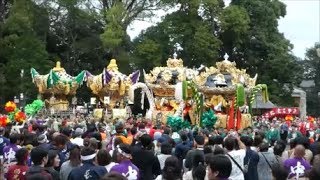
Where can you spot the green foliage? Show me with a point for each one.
(234, 25)
(312, 72)
(114, 32)
(22, 48)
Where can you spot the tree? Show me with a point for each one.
(264, 50)
(189, 33)
(22, 47)
(74, 37)
(116, 17)
(312, 72)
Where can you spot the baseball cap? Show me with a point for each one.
(42, 139)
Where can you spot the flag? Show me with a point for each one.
(230, 123)
(238, 118)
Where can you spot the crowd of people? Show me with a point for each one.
(140, 150)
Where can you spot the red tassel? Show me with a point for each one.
(238, 119)
(231, 116)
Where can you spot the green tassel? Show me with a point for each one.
(240, 98)
(184, 90)
(265, 94)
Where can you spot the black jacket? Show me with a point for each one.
(35, 171)
(147, 162)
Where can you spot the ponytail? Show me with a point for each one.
(199, 171)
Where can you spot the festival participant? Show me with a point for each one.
(258, 139)
(236, 156)
(222, 132)
(78, 140)
(131, 133)
(88, 170)
(104, 159)
(220, 168)
(143, 157)
(43, 141)
(314, 173)
(297, 166)
(183, 147)
(266, 160)
(171, 170)
(102, 131)
(3, 140)
(294, 132)
(39, 158)
(198, 170)
(125, 166)
(199, 144)
(279, 172)
(18, 171)
(302, 127)
(250, 132)
(113, 176)
(284, 130)
(9, 151)
(73, 162)
(119, 127)
(166, 151)
(273, 133)
(251, 160)
(278, 151)
(287, 153)
(53, 162)
(60, 144)
(166, 135)
(157, 140)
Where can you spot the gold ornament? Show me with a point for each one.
(166, 75)
(113, 66)
(174, 63)
(58, 67)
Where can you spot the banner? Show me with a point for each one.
(282, 112)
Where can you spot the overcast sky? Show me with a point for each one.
(301, 25)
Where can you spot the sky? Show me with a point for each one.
(301, 25)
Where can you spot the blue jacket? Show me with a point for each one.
(182, 149)
(88, 171)
(252, 173)
(3, 142)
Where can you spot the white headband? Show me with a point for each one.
(123, 153)
(89, 157)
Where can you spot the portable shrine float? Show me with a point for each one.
(111, 87)
(230, 92)
(219, 95)
(57, 87)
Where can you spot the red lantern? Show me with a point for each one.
(310, 119)
(288, 118)
(10, 106)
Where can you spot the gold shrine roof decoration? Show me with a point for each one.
(219, 79)
(111, 80)
(57, 81)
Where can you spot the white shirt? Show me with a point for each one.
(162, 158)
(237, 155)
(109, 166)
(78, 141)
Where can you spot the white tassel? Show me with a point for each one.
(178, 91)
(142, 99)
